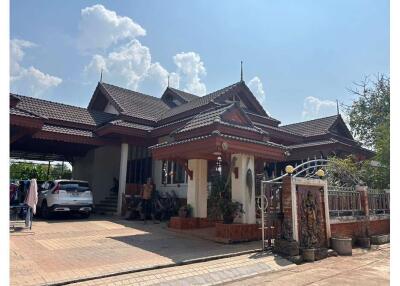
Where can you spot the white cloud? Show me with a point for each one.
(257, 88)
(99, 28)
(129, 63)
(28, 80)
(191, 68)
(314, 108)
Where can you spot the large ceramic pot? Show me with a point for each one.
(342, 245)
(380, 239)
(363, 242)
(308, 254)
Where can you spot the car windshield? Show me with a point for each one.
(75, 186)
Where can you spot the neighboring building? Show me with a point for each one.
(166, 138)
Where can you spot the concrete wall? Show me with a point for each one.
(98, 167)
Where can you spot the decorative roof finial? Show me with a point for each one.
(168, 81)
(337, 107)
(241, 70)
(101, 75)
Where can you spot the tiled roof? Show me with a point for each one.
(17, 111)
(205, 118)
(185, 95)
(120, 122)
(60, 111)
(313, 144)
(217, 133)
(67, 130)
(200, 101)
(309, 128)
(136, 104)
(213, 115)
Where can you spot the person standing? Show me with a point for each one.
(146, 195)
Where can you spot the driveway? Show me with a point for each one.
(57, 251)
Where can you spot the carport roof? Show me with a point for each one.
(63, 112)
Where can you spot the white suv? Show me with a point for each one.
(65, 196)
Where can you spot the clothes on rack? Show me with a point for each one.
(31, 198)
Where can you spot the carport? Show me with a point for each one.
(47, 131)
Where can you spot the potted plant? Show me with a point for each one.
(229, 210)
(185, 211)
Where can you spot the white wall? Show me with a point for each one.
(98, 167)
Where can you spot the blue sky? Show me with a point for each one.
(299, 56)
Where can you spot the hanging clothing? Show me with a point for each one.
(31, 198)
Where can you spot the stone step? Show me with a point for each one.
(106, 204)
(105, 210)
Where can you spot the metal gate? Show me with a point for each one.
(269, 200)
(270, 205)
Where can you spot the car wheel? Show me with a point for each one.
(85, 215)
(44, 210)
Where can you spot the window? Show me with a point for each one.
(139, 165)
(172, 173)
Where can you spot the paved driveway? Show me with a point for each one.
(63, 250)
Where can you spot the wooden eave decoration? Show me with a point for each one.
(204, 148)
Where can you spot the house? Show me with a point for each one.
(177, 139)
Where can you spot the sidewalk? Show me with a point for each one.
(367, 268)
(363, 268)
(203, 273)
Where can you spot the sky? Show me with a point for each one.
(299, 57)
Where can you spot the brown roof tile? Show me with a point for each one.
(136, 104)
(310, 128)
(63, 112)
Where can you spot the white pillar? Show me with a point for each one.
(240, 190)
(197, 192)
(122, 175)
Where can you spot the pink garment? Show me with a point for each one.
(31, 198)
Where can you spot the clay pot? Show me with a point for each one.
(308, 254)
(364, 242)
(342, 245)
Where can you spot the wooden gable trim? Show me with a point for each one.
(339, 122)
(100, 89)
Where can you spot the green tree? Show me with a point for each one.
(369, 119)
(23, 170)
(370, 112)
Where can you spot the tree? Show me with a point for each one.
(370, 123)
(23, 171)
(371, 110)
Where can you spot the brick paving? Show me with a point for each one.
(367, 268)
(363, 268)
(58, 251)
(202, 273)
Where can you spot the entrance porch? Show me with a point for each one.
(236, 160)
